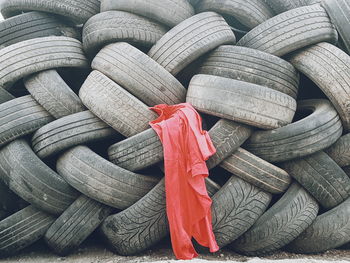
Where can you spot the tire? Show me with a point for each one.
(79, 11)
(117, 26)
(5, 96)
(256, 171)
(139, 74)
(101, 180)
(329, 230)
(20, 117)
(340, 151)
(27, 176)
(240, 101)
(69, 131)
(281, 6)
(311, 134)
(291, 30)
(114, 105)
(191, 39)
(248, 13)
(33, 25)
(321, 177)
(75, 224)
(9, 202)
(31, 56)
(321, 59)
(282, 223)
(339, 12)
(50, 90)
(22, 229)
(145, 149)
(167, 12)
(252, 66)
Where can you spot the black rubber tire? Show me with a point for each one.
(252, 66)
(9, 201)
(329, 230)
(249, 13)
(118, 26)
(280, 6)
(50, 90)
(256, 171)
(280, 225)
(140, 75)
(311, 134)
(339, 12)
(31, 56)
(240, 101)
(191, 39)
(291, 30)
(145, 149)
(321, 177)
(145, 223)
(167, 12)
(26, 175)
(340, 151)
(79, 11)
(32, 25)
(20, 117)
(80, 219)
(22, 229)
(114, 105)
(80, 128)
(328, 67)
(101, 180)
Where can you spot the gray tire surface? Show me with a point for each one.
(280, 6)
(241, 101)
(27, 57)
(75, 224)
(22, 229)
(328, 67)
(140, 75)
(5, 96)
(26, 175)
(79, 128)
(191, 39)
(145, 149)
(256, 171)
(50, 90)
(32, 25)
(167, 12)
(114, 105)
(329, 230)
(78, 11)
(252, 66)
(282, 223)
(101, 180)
(311, 134)
(291, 30)
(321, 177)
(118, 26)
(249, 13)
(340, 151)
(20, 117)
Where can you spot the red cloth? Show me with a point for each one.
(186, 148)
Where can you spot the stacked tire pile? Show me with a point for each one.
(271, 78)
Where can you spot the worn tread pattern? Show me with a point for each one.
(191, 39)
(282, 223)
(240, 101)
(340, 151)
(321, 177)
(291, 30)
(31, 56)
(118, 26)
(76, 223)
(328, 67)
(311, 134)
(101, 180)
(280, 6)
(79, 128)
(252, 66)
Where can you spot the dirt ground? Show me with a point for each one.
(92, 253)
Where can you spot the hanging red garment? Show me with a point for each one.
(186, 148)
